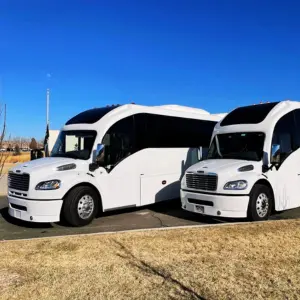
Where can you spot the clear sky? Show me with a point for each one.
(214, 55)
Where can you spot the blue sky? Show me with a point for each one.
(214, 55)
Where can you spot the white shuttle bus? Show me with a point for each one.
(110, 158)
(252, 167)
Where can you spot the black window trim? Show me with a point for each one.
(226, 120)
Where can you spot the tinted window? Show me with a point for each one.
(141, 136)
(297, 119)
(90, 116)
(158, 131)
(142, 131)
(119, 141)
(248, 114)
(285, 135)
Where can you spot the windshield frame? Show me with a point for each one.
(74, 131)
(215, 143)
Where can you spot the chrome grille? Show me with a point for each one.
(206, 182)
(18, 181)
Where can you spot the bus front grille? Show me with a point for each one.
(204, 182)
(18, 181)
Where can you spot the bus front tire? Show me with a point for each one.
(80, 206)
(260, 203)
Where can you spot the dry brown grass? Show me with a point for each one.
(7, 279)
(12, 160)
(23, 157)
(6, 168)
(257, 261)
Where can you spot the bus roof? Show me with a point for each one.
(92, 116)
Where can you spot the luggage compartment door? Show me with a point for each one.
(157, 188)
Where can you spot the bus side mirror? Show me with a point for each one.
(99, 150)
(199, 153)
(98, 158)
(202, 153)
(275, 150)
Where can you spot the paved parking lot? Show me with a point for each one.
(155, 216)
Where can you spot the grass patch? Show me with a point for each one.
(23, 157)
(11, 160)
(257, 261)
(7, 167)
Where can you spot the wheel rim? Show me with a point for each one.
(85, 207)
(262, 205)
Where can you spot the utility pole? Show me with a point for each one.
(47, 107)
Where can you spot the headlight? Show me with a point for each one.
(66, 167)
(48, 185)
(236, 185)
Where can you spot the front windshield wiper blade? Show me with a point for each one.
(64, 155)
(236, 156)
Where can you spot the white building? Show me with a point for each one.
(53, 134)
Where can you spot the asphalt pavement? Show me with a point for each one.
(166, 214)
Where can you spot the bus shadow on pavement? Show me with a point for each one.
(20, 223)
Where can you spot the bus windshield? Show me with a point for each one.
(76, 144)
(238, 145)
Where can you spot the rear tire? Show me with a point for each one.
(260, 203)
(81, 206)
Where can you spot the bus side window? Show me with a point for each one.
(121, 140)
(159, 131)
(285, 135)
(297, 119)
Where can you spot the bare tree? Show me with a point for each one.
(3, 155)
(17, 150)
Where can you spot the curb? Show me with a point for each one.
(144, 230)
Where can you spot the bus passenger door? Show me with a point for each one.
(285, 178)
(121, 184)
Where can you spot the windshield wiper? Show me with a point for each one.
(68, 155)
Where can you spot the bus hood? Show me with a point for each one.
(42, 163)
(227, 170)
(220, 165)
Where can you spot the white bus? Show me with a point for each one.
(110, 158)
(252, 167)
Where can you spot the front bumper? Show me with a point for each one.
(215, 205)
(42, 211)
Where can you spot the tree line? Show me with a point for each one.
(18, 144)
